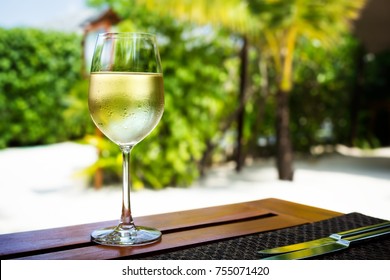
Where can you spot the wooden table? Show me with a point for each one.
(180, 229)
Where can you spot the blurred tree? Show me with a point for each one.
(278, 25)
(37, 71)
(320, 100)
(234, 16)
(229, 14)
(286, 22)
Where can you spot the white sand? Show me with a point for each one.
(38, 188)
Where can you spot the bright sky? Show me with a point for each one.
(40, 13)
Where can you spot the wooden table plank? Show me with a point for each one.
(79, 235)
(309, 213)
(181, 228)
(177, 239)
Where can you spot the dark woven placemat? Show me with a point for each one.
(245, 247)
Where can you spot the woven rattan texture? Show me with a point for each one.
(246, 247)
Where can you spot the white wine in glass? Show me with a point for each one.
(126, 102)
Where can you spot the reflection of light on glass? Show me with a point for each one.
(90, 40)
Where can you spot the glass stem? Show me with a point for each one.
(126, 218)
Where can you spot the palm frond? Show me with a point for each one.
(324, 20)
(231, 14)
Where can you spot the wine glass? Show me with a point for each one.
(126, 102)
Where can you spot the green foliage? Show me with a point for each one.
(323, 20)
(325, 82)
(43, 99)
(77, 121)
(374, 118)
(37, 70)
(320, 102)
(196, 104)
(321, 95)
(110, 160)
(199, 94)
(194, 65)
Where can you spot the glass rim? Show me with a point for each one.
(126, 34)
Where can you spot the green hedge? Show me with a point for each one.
(37, 72)
(43, 100)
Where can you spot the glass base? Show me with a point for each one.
(126, 236)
